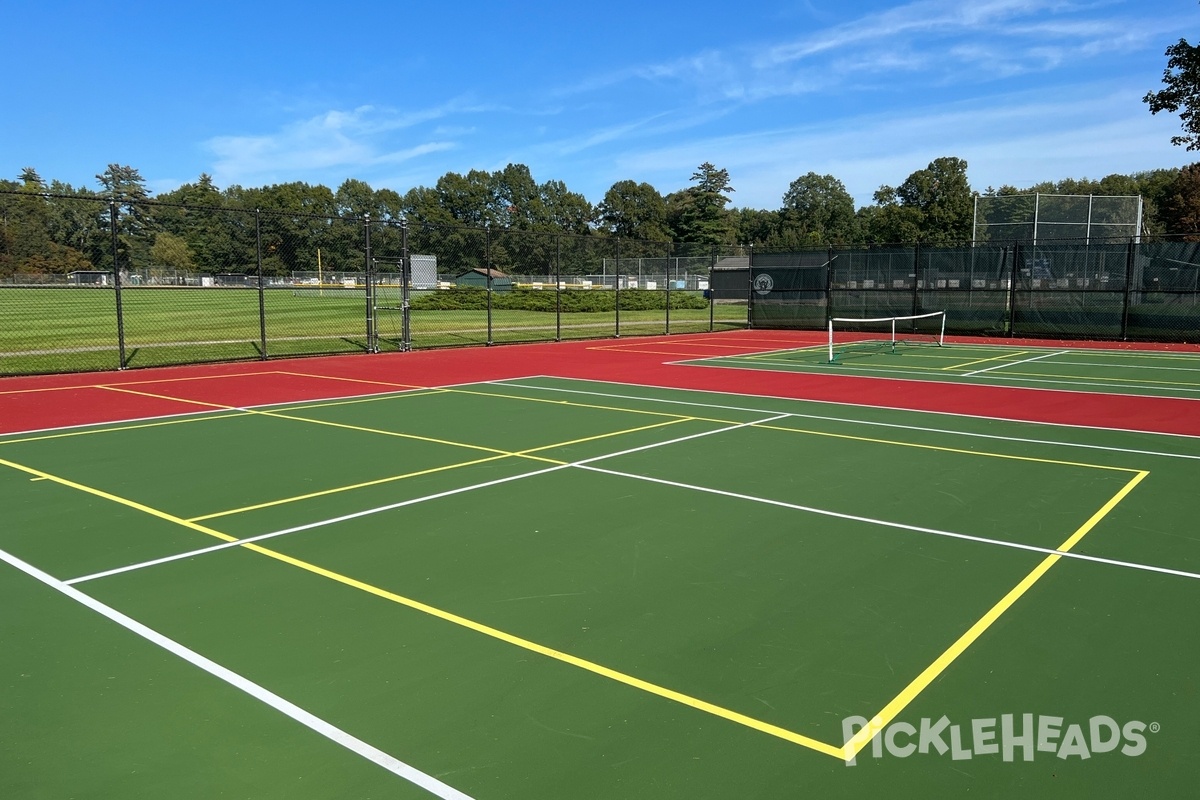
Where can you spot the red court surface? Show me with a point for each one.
(41, 402)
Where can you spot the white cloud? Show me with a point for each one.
(335, 140)
(1027, 139)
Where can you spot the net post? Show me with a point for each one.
(830, 339)
(942, 335)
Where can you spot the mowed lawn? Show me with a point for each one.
(76, 328)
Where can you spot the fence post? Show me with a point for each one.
(558, 287)
(487, 264)
(667, 329)
(916, 292)
(372, 345)
(405, 279)
(1130, 255)
(112, 222)
(712, 293)
(1012, 290)
(749, 289)
(262, 304)
(617, 288)
(829, 285)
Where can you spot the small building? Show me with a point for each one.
(478, 278)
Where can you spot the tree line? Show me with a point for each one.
(54, 227)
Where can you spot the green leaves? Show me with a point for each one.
(1182, 95)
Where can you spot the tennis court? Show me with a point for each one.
(1071, 368)
(540, 585)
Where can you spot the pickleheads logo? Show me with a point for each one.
(1007, 736)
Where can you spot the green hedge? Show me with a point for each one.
(576, 300)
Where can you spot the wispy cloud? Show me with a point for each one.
(938, 39)
(870, 150)
(361, 138)
(656, 120)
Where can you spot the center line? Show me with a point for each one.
(1015, 363)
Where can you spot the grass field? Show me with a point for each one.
(548, 588)
(75, 329)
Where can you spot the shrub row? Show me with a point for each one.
(573, 301)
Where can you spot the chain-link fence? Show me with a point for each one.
(1117, 290)
(91, 284)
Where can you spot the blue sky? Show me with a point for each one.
(399, 93)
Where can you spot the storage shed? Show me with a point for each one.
(479, 278)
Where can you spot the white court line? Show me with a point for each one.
(401, 504)
(290, 709)
(117, 425)
(1168, 367)
(1015, 363)
(900, 525)
(823, 418)
(913, 375)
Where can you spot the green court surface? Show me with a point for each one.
(550, 588)
(1159, 374)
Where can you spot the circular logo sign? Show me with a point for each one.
(763, 284)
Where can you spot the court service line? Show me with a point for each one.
(1016, 363)
(211, 412)
(927, 676)
(849, 421)
(905, 526)
(1168, 367)
(918, 373)
(243, 684)
(231, 541)
(986, 360)
(327, 423)
(125, 425)
(432, 470)
(1111, 380)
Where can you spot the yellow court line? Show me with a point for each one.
(566, 658)
(893, 708)
(780, 353)
(619, 349)
(393, 478)
(113, 428)
(478, 393)
(527, 453)
(355, 400)
(124, 501)
(353, 380)
(133, 383)
(986, 360)
(676, 417)
(342, 425)
(204, 403)
(38, 389)
(984, 453)
(464, 622)
(339, 489)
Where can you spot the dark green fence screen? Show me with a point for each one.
(1068, 290)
